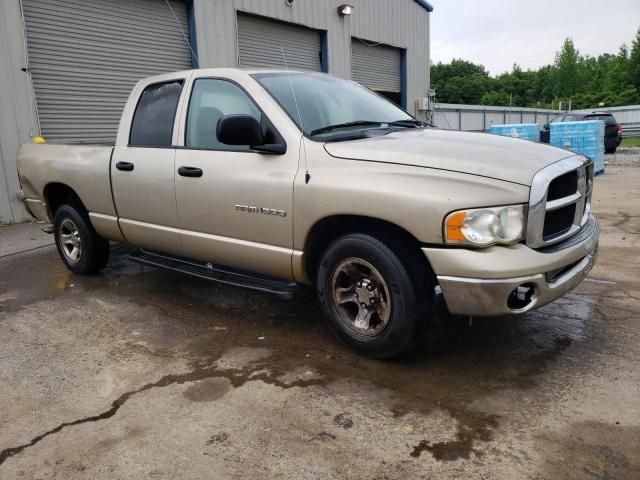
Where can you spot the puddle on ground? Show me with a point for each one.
(208, 390)
(285, 343)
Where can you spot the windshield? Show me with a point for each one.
(331, 106)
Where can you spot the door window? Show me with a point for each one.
(152, 124)
(211, 99)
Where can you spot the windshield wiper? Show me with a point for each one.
(357, 123)
(410, 122)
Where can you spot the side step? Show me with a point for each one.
(280, 288)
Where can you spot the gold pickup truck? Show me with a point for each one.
(273, 179)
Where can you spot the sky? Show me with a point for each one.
(497, 33)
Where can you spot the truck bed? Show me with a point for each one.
(82, 167)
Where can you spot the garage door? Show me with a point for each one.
(85, 57)
(377, 67)
(260, 45)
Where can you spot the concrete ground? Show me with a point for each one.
(146, 374)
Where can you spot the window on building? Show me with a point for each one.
(152, 124)
(211, 99)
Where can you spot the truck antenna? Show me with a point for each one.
(307, 176)
(184, 35)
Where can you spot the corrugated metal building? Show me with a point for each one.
(67, 66)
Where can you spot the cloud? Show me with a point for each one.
(499, 33)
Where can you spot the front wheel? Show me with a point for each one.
(81, 249)
(368, 296)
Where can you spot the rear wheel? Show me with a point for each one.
(81, 249)
(369, 296)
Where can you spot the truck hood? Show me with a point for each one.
(509, 159)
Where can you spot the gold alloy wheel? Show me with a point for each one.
(360, 297)
(70, 241)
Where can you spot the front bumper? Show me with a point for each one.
(485, 282)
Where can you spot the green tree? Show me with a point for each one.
(498, 99)
(567, 69)
(459, 81)
(583, 81)
(634, 62)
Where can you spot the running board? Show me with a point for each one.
(280, 288)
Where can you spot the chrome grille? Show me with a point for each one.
(559, 201)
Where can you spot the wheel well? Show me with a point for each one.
(58, 194)
(328, 229)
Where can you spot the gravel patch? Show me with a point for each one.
(624, 157)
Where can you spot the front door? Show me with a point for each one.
(235, 206)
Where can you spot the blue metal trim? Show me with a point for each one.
(324, 52)
(403, 79)
(424, 4)
(191, 19)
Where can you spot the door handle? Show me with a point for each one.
(189, 172)
(124, 166)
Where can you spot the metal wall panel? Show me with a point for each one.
(446, 120)
(495, 118)
(475, 117)
(261, 44)
(376, 66)
(472, 121)
(399, 23)
(85, 57)
(624, 115)
(17, 118)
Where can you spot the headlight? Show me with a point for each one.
(482, 227)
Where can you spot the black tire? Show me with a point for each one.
(93, 252)
(401, 332)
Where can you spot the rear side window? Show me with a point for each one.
(152, 124)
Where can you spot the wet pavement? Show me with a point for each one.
(140, 373)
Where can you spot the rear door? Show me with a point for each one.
(143, 166)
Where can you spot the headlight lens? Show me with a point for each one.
(482, 227)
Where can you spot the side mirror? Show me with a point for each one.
(246, 130)
(239, 130)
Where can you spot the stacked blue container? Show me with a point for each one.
(585, 138)
(526, 131)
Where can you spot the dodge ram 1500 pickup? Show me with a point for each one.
(273, 179)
